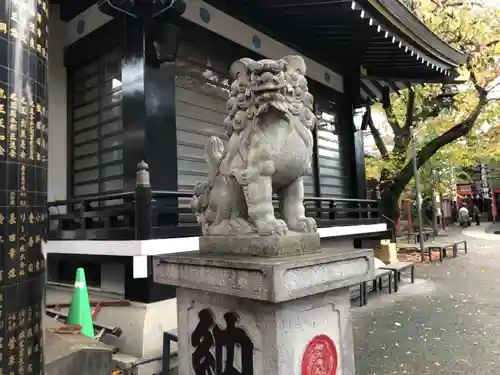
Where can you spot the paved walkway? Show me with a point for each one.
(493, 227)
(447, 323)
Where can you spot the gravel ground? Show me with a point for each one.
(447, 323)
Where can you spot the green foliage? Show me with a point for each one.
(474, 29)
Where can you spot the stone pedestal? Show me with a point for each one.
(255, 315)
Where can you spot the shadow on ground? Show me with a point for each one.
(493, 228)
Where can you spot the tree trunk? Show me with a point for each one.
(393, 189)
(435, 226)
(389, 207)
(441, 204)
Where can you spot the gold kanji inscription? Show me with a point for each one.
(12, 321)
(12, 343)
(11, 274)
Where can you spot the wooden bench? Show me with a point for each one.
(426, 235)
(397, 269)
(377, 285)
(442, 248)
(457, 244)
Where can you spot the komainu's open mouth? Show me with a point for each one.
(268, 87)
(267, 77)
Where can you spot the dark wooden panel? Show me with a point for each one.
(201, 96)
(71, 9)
(95, 125)
(333, 178)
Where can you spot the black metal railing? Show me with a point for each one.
(148, 214)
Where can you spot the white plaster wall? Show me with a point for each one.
(57, 173)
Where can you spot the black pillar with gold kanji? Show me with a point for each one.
(23, 183)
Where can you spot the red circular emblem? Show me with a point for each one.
(320, 357)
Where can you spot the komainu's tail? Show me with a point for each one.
(214, 152)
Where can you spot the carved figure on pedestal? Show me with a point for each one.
(270, 121)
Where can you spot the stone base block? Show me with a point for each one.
(241, 314)
(142, 325)
(267, 246)
(226, 334)
(69, 354)
(273, 279)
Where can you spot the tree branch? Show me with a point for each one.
(401, 134)
(428, 112)
(389, 112)
(379, 142)
(410, 106)
(492, 43)
(455, 4)
(495, 86)
(481, 90)
(459, 130)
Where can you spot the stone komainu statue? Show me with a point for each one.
(269, 122)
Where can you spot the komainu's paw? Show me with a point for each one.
(303, 224)
(271, 226)
(246, 176)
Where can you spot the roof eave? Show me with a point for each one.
(400, 17)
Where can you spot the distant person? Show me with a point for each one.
(463, 216)
(477, 215)
(454, 212)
